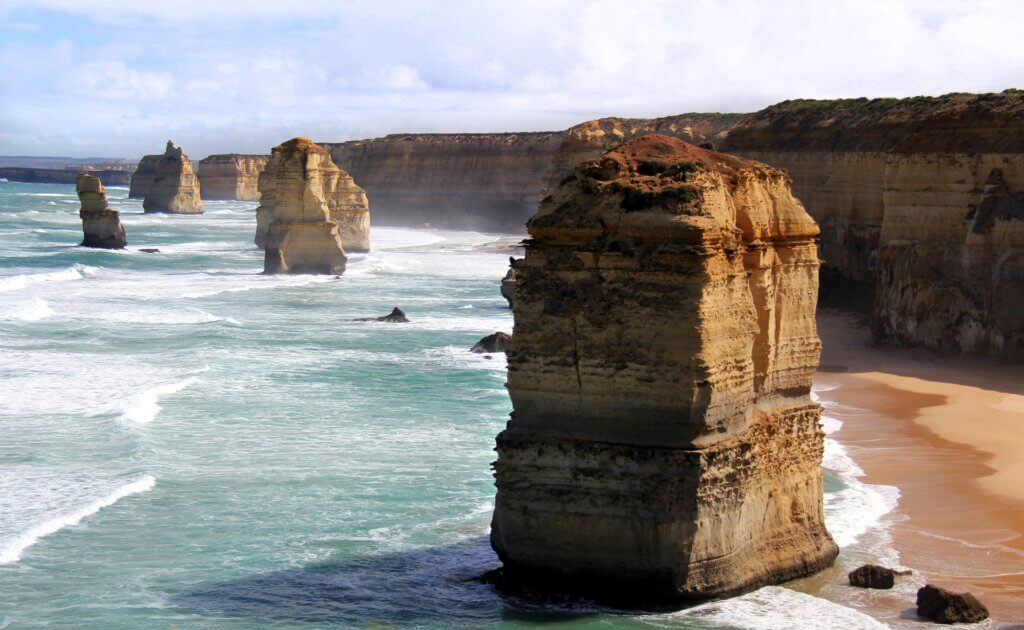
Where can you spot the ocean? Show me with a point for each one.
(187, 443)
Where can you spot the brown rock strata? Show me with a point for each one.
(101, 226)
(663, 438)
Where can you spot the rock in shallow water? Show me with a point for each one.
(396, 316)
(497, 342)
(943, 606)
(664, 443)
(872, 576)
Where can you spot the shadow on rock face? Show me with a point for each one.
(434, 586)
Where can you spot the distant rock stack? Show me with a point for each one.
(175, 188)
(346, 203)
(231, 176)
(101, 225)
(300, 237)
(664, 444)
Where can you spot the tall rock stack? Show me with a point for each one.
(346, 204)
(142, 178)
(300, 237)
(663, 439)
(101, 225)
(175, 187)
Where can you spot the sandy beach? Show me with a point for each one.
(947, 431)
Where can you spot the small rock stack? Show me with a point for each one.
(174, 188)
(100, 225)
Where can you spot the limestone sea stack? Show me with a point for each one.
(346, 203)
(174, 188)
(101, 225)
(142, 178)
(231, 176)
(663, 444)
(300, 238)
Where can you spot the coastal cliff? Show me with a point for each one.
(918, 201)
(231, 176)
(174, 188)
(663, 438)
(101, 226)
(300, 237)
(486, 181)
(490, 181)
(61, 176)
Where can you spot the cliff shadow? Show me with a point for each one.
(433, 586)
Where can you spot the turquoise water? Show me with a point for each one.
(185, 442)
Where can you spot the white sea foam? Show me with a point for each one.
(773, 608)
(12, 550)
(145, 408)
(16, 283)
(31, 310)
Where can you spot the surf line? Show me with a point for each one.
(13, 550)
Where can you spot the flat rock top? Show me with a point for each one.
(299, 145)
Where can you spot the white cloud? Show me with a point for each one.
(400, 77)
(115, 80)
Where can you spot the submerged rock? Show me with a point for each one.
(346, 202)
(149, 250)
(101, 226)
(943, 606)
(873, 576)
(498, 342)
(300, 238)
(664, 444)
(174, 188)
(396, 316)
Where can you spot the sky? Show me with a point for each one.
(117, 79)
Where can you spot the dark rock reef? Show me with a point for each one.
(101, 226)
(496, 342)
(664, 444)
(944, 606)
(396, 316)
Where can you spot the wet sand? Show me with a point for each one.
(949, 433)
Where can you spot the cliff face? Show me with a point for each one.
(469, 181)
(175, 187)
(490, 181)
(301, 238)
(346, 203)
(663, 436)
(101, 226)
(231, 176)
(897, 187)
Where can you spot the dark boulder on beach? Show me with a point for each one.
(943, 606)
(498, 342)
(873, 576)
(396, 316)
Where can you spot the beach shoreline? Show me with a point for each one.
(946, 432)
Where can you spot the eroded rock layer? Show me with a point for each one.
(300, 237)
(231, 176)
(346, 203)
(663, 436)
(175, 187)
(142, 178)
(918, 199)
(101, 226)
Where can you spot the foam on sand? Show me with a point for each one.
(773, 608)
(11, 551)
